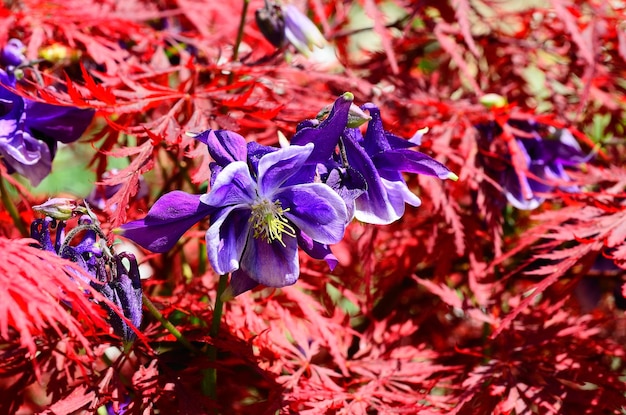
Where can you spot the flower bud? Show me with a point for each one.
(59, 208)
(13, 53)
(493, 100)
(271, 23)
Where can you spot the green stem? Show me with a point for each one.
(166, 323)
(242, 25)
(10, 207)
(209, 383)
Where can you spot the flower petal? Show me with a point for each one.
(64, 124)
(170, 217)
(226, 238)
(316, 210)
(393, 161)
(233, 186)
(398, 194)
(373, 205)
(316, 250)
(375, 140)
(271, 264)
(326, 135)
(240, 282)
(224, 146)
(277, 167)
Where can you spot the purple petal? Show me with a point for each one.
(233, 186)
(393, 161)
(300, 30)
(255, 152)
(277, 167)
(224, 146)
(170, 217)
(326, 135)
(316, 250)
(64, 124)
(271, 264)
(397, 142)
(316, 210)
(349, 184)
(226, 238)
(398, 194)
(240, 282)
(514, 192)
(375, 140)
(373, 205)
(127, 286)
(26, 155)
(564, 149)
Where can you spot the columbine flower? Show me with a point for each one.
(541, 154)
(379, 158)
(257, 223)
(30, 130)
(110, 276)
(286, 23)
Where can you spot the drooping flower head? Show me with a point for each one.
(528, 159)
(118, 282)
(286, 23)
(29, 130)
(379, 157)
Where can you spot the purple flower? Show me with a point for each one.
(30, 131)
(258, 222)
(542, 151)
(379, 157)
(110, 276)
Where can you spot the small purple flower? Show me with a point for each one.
(30, 130)
(110, 276)
(542, 153)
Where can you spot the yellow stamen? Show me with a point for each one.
(269, 222)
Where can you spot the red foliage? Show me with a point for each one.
(465, 305)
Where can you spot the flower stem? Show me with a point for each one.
(242, 25)
(10, 207)
(168, 326)
(209, 382)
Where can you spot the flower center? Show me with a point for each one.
(269, 222)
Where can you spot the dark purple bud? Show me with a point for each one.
(271, 23)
